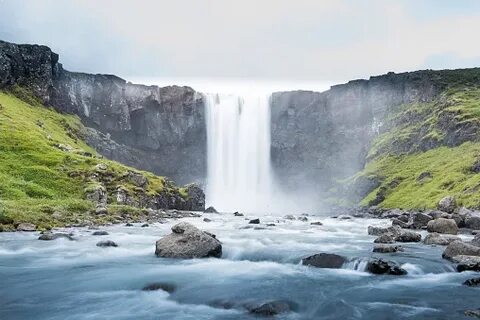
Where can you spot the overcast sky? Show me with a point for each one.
(257, 39)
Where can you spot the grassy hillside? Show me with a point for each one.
(46, 169)
(429, 151)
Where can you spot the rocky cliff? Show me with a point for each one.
(319, 139)
(156, 129)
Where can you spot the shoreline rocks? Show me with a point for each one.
(458, 248)
(442, 225)
(438, 239)
(106, 243)
(187, 242)
(380, 266)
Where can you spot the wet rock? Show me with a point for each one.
(29, 227)
(97, 194)
(467, 263)
(145, 225)
(385, 238)
(210, 210)
(324, 260)
(472, 220)
(207, 220)
(167, 287)
(377, 231)
(49, 236)
(381, 248)
(128, 224)
(435, 214)
(344, 217)
(408, 236)
(289, 217)
(447, 204)
(271, 308)
(238, 214)
(186, 242)
(100, 233)
(106, 243)
(304, 219)
(380, 266)
(474, 282)
(316, 223)
(458, 248)
(442, 225)
(254, 221)
(472, 313)
(137, 179)
(438, 239)
(400, 223)
(420, 219)
(270, 224)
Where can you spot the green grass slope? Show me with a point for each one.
(430, 151)
(46, 168)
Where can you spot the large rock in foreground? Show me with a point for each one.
(187, 242)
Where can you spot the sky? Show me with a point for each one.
(258, 40)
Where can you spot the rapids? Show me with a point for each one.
(65, 279)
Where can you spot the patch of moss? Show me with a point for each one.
(46, 167)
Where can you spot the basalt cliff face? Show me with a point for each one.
(151, 128)
(318, 139)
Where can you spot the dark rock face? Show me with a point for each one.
(317, 137)
(167, 287)
(49, 236)
(151, 128)
(324, 260)
(380, 266)
(271, 308)
(474, 282)
(106, 243)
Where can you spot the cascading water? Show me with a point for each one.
(238, 143)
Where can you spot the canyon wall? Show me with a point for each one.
(317, 138)
(151, 128)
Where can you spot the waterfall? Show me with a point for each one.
(239, 176)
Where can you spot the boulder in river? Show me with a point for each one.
(238, 214)
(48, 236)
(210, 210)
(100, 233)
(467, 263)
(167, 287)
(380, 266)
(474, 282)
(316, 223)
(458, 248)
(420, 220)
(442, 225)
(271, 308)
(472, 220)
(106, 243)
(447, 204)
(324, 260)
(472, 313)
(29, 227)
(441, 240)
(187, 242)
(408, 236)
(382, 248)
(254, 221)
(377, 231)
(385, 238)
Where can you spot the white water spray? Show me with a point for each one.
(238, 153)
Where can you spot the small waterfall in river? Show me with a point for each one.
(238, 152)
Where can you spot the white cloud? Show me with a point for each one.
(321, 40)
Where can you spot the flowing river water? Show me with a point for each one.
(64, 279)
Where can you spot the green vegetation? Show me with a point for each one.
(428, 153)
(46, 168)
